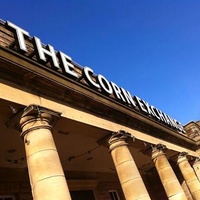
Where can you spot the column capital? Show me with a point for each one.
(30, 123)
(120, 135)
(36, 117)
(159, 147)
(119, 138)
(36, 110)
(182, 157)
(157, 150)
(31, 110)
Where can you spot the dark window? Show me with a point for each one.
(82, 195)
(114, 195)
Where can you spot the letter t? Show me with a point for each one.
(20, 36)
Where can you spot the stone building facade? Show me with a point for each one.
(68, 133)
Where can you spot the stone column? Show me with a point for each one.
(167, 176)
(129, 176)
(45, 171)
(196, 167)
(189, 176)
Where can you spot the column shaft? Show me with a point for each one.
(45, 171)
(129, 176)
(167, 176)
(189, 176)
(196, 167)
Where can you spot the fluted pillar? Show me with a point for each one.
(167, 176)
(189, 176)
(129, 176)
(45, 171)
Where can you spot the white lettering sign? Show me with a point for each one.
(99, 82)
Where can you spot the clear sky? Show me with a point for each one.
(149, 47)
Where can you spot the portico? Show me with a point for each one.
(68, 127)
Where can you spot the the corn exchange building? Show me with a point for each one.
(67, 133)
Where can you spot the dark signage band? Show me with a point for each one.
(59, 60)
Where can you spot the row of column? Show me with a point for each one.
(48, 180)
(131, 181)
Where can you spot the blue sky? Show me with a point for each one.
(149, 47)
